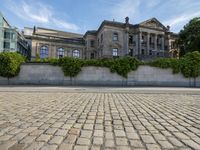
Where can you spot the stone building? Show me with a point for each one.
(145, 41)
(48, 43)
(11, 40)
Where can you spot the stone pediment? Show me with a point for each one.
(153, 23)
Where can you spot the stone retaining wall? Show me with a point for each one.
(45, 74)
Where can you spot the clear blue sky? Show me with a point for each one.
(82, 15)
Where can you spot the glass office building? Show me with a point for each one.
(11, 40)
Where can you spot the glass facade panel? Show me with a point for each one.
(6, 45)
(6, 35)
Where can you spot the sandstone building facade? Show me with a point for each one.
(146, 40)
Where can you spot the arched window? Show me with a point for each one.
(44, 52)
(76, 53)
(115, 36)
(60, 53)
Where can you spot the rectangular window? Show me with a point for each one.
(150, 52)
(115, 52)
(6, 45)
(142, 51)
(6, 35)
(101, 38)
(92, 56)
(12, 36)
(115, 37)
(92, 43)
(130, 52)
(130, 39)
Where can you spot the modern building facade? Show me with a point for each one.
(11, 40)
(145, 41)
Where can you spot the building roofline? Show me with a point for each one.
(58, 31)
(5, 19)
(90, 32)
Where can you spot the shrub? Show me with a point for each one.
(70, 66)
(164, 63)
(10, 64)
(190, 64)
(122, 66)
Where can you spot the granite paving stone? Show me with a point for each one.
(99, 119)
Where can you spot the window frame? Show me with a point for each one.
(60, 52)
(101, 37)
(115, 36)
(92, 43)
(44, 52)
(115, 52)
(76, 53)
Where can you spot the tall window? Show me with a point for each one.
(101, 38)
(150, 40)
(142, 51)
(115, 52)
(115, 36)
(130, 52)
(60, 53)
(130, 39)
(7, 35)
(92, 56)
(44, 52)
(6, 45)
(92, 43)
(76, 53)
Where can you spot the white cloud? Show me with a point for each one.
(180, 20)
(125, 8)
(152, 3)
(38, 13)
(65, 25)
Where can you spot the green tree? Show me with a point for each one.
(10, 64)
(189, 37)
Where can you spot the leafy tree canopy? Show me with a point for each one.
(189, 37)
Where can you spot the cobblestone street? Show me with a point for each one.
(89, 118)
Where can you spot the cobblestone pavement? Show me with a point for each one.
(99, 120)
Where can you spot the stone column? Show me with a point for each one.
(36, 49)
(140, 43)
(136, 44)
(155, 42)
(163, 43)
(53, 51)
(148, 48)
(126, 44)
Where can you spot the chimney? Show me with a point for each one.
(127, 20)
